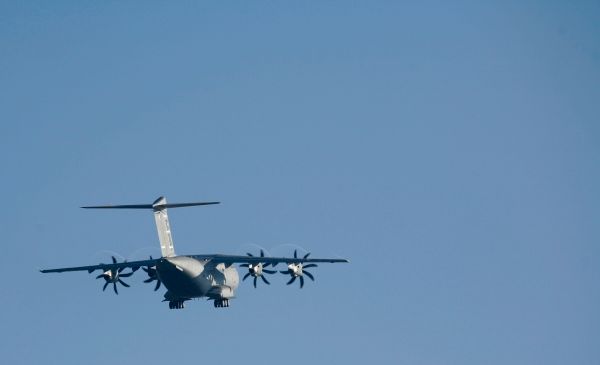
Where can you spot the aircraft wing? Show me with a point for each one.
(215, 259)
(133, 265)
(236, 259)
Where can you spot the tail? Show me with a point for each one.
(160, 217)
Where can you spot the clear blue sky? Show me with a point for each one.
(450, 150)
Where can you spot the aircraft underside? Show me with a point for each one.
(187, 278)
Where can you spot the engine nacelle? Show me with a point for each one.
(111, 276)
(255, 270)
(295, 269)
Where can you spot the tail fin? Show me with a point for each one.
(163, 227)
(161, 218)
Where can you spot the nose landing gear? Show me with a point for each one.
(220, 303)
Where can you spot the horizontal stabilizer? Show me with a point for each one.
(156, 206)
(131, 206)
(181, 205)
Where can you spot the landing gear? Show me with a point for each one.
(220, 303)
(176, 304)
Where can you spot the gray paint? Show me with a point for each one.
(193, 276)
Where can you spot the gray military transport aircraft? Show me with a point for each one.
(188, 277)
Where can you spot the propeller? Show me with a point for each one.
(113, 276)
(257, 270)
(152, 275)
(297, 271)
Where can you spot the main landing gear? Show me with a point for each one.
(220, 303)
(179, 304)
(176, 304)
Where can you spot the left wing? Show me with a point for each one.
(134, 265)
(237, 259)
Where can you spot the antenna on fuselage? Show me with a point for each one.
(161, 218)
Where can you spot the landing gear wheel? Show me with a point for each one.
(220, 303)
(176, 304)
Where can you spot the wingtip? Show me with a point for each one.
(345, 261)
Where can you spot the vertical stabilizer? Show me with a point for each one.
(162, 226)
(159, 207)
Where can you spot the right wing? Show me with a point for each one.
(134, 265)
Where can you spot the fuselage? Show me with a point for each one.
(187, 277)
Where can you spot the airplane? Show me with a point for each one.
(188, 277)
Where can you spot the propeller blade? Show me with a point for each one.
(265, 280)
(291, 280)
(285, 272)
(309, 275)
(249, 254)
(114, 260)
(100, 276)
(262, 253)
(246, 276)
(148, 280)
(146, 270)
(295, 254)
(301, 282)
(310, 265)
(243, 265)
(105, 285)
(115, 288)
(157, 285)
(126, 275)
(255, 281)
(306, 256)
(123, 283)
(269, 271)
